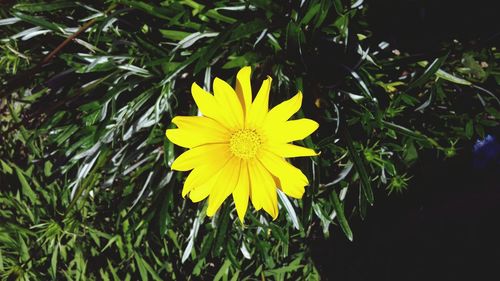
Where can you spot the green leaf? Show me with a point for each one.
(311, 12)
(174, 35)
(282, 270)
(47, 168)
(454, 79)
(142, 268)
(339, 209)
(223, 270)
(428, 73)
(325, 220)
(159, 12)
(409, 133)
(240, 61)
(53, 263)
(235, 276)
(24, 252)
(289, 208)
(25, 186)
(5, 167)
(246, 29)
(410, 153)
(212, 13)
(469, 129)
(44, 7)
(222, 227)
(38, 21)
(151, 271)
(359, 166)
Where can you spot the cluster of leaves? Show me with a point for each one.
(89, 89)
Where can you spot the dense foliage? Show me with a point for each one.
(88, 91)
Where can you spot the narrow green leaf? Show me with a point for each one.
(339, 209)
(38, 21)
(325, 221)
(246, 29)
(223, 271)
(451, 78)
(359, 166)
(282, 270)
(6, 168)
(152, 271)
(53, 262)
(47, 168)
(44, 7)
(222, 227)
(212, 13)
(469, 129)
(310, 13)
(25, 186)
(25, 254)
(428, 73)
(174, 35)
(236, 275)
(289, 208)
(162, 13)
(409, 133)
(142, 268)
(113, 271)
(1, 262)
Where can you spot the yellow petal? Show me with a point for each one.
(190, 138)
(197, 130)
(291, 130)
(263, 188)
(292, 189)
(244, 88)
(224, 185)
(201, 125)
(289, 150)
(229, 104)
(201, 192)
(199, 155)
(241, 192)
(208, 105)
(283, 111)
(203, 173)
(281, 168)
(260, 105)
(253, 194)
(194, 175)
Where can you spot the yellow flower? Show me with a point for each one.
(239, 147)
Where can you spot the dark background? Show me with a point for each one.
(426, 25)
(445, 226)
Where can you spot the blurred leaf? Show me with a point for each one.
(44, 7)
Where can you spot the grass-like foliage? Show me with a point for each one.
(88, 90)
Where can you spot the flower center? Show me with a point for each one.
(245, 143)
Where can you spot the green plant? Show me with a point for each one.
(86, 189)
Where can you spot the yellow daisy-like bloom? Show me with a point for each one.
(239, 147)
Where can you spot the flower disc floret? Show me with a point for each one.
(245, 143)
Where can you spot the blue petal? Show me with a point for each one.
(486, 152)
